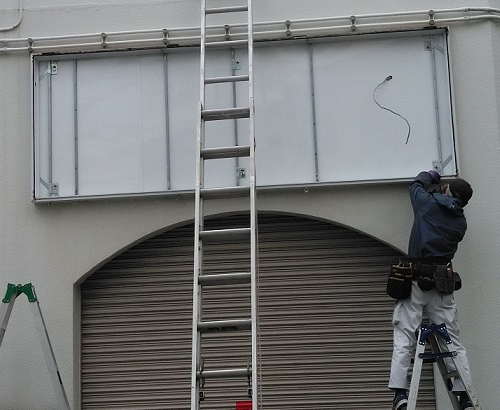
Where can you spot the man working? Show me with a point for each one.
(438, 227)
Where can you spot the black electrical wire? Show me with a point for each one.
(388, 109)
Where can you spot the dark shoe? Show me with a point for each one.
(400, 401)
(465, 402)
(466, 405)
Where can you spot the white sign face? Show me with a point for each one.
(336, 110)
(376, 109)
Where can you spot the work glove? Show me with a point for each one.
(435, 177)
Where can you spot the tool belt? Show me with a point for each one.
(428, 274)
(439, 275)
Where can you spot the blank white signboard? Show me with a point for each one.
(329, 110)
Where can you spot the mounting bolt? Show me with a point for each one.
(53, 67)
(240, 173)
(54, 188)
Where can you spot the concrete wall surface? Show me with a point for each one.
(56, 245)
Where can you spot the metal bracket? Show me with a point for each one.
(236, 64)
(437, 165)
(353, 23)
(13, 290)
(54, 188)
(431, 18)
(430, 45)
(288, 32)
(165, 36)
(53, 68)
(240, 173)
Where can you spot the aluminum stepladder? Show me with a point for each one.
(249, 373)
(434, 334)
(12, 293)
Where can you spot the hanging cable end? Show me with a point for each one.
(389, 77)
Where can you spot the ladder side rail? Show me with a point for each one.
(199, 222)
(198, 258)
(467, 383)
(417, 370)
(444, 371)
(50, 358)
(203, 50)
(256, 399)
(235, 104)
(460, 369)
(5, 311)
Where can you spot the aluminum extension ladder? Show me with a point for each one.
(203, 283)
(12, 293)
(439, 352)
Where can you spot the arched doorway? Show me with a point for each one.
(325, 320)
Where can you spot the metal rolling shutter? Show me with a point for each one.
(325, 321)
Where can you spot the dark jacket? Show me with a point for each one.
(439, 223)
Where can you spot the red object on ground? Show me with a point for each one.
(243, 405)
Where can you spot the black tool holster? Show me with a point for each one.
(435, 275)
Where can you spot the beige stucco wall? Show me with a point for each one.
(56, 245)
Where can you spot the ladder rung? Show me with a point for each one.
(451, 375)
(226, 43)
(227, 79)
(225, 325)
(224, 233)
(214, 374)
(231, 9)
(226, 192)
(225, 114)
(226, 152)
(225, 278)
(432, 357)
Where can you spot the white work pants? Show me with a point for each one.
(406, 320)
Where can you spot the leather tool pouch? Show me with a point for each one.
(445, 279)
(426, 279)
(399, 281)
(458, 281)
